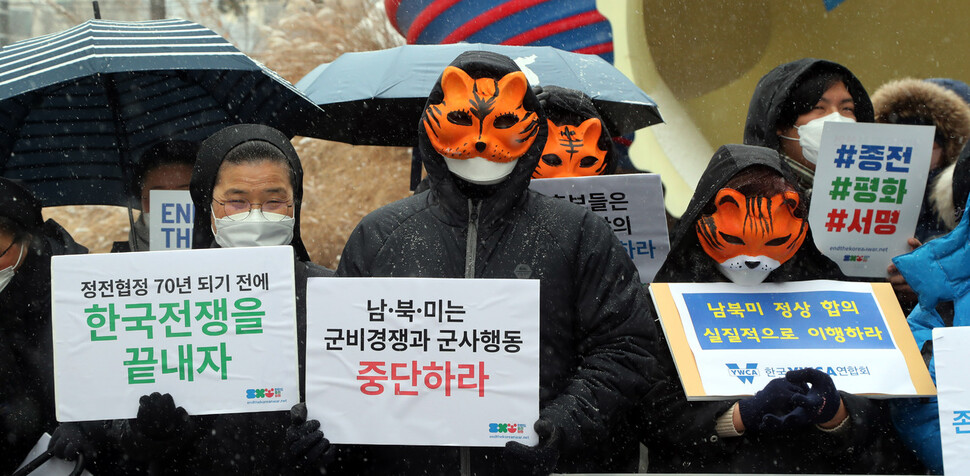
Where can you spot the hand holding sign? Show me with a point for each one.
(305, 443)
(540, 459)
(776, 398)
(822, 401)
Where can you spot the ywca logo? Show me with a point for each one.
(506, 428)
(856, 258)
(745, 375)
(264, 392)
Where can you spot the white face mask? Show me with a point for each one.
(737, 269)
(810, 135)
(253, 230)
(480, 171)
(7, 273)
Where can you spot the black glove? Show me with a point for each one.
(774, 399)
(821, 403)
(159, 419)
(71, 440)
(540, 459)
(304, 442)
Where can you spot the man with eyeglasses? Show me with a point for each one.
(247, 187)
(26, 365)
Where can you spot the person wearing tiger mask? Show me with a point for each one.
(480, 139)
(746, 223)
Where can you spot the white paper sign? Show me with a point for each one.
(951, 353)
(54, 466)
(172, 213)
(418, 361)
(867, 193)
(633, 206)
(216, 328)
(742, 337)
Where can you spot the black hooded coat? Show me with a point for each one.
(773, 94)
(241, 443)
(26, 347)
(598, 348)
(681, 435)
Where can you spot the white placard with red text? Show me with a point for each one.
(868, 189)
(421, 361)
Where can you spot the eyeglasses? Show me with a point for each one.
(232, 208)
(14, 242)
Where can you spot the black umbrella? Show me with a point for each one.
(376, 97)
(77, 108)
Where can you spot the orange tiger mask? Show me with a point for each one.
(481, 117)
(751, 240)
(572, 151)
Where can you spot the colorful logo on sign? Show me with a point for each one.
(859, 258)
(506, 428)
(745, 375)
(275, 392)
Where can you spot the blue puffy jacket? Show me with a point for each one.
(938, 271)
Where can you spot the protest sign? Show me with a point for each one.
(868, 189)
(434, 361)
(730, 340)
(215, 328)
(170, 220)
(951, 353)
(633, 206)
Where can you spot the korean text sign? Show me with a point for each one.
(170, 220)
(633, 206)
(433, 361)
(869, 184)
(215, 328)
(950, 352)
(730, 340)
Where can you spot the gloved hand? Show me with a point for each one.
(304, 442)
(775, 399)
(540, 459)
(821, 403)
(71, 440)
(159, 419)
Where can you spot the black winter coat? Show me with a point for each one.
(26, 348)
(597, 345)
(681, 436)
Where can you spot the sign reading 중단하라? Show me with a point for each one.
(867, 193)
(633, 206)
(434, 361)
(193, 323)
(730, 340)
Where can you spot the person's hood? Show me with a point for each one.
(955, 85)
(19, 205)
(687, 261)
(564, 105)
(951, 189)
(915, 101)
(451, 191)
(211, 154)
(776, 87)
(938, 270)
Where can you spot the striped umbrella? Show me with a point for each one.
(77, 108)
(376, 97)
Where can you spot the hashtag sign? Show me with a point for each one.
(836, 219)
(840, 188)
(845, 158)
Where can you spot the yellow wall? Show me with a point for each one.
(710, 54)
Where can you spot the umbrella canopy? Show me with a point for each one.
(77, 108)
(376, 97)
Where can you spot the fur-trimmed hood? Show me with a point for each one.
(915, 101)
(950, 191)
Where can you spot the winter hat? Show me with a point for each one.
(914, 101)
(955, 85)
(20, 206)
